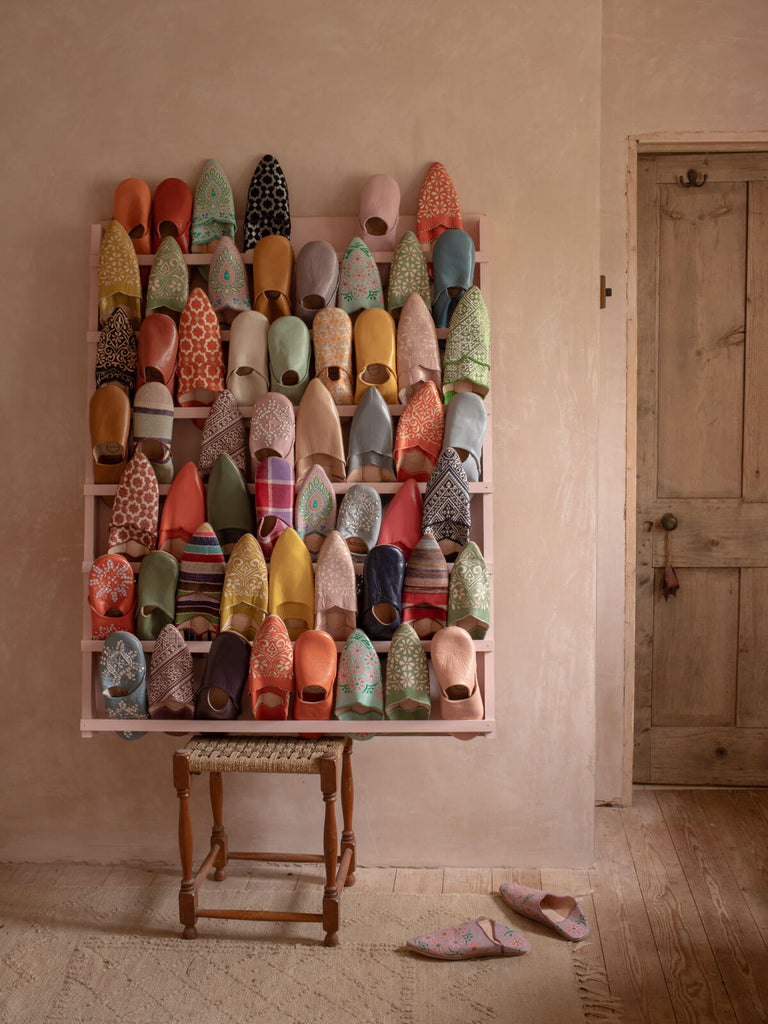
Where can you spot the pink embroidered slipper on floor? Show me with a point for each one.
(561, 913)
(481, 937)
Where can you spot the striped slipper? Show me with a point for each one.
(133, 525)
(274, 500)
(183, 511)
(425, 588)
(419, 434)
(319, 440)
(244, 597)
(409, 274)
(168, 286)
(437, 208)
(407, 677)
(228, 503)
(292, 584)
(227, 284)
(200, 366)
(118, 275)
(153, 428)
(123, 680)
(359, 279)
(213, 211)
(171, 688)
(223, 432)
(116, 352)
(335, 588)
(469, 592)
(332, 342)
(468, 347)
(111, 596)
(315, 508)
(201, 580)
(267, 207)
(272, 430)
(447, 513)
(226, 673)
(270, 673)
(418, 353)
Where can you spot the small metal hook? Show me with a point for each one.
(693, 181)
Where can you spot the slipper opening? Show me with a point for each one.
(313, 694)
(376, 226)
(272, 293)
(217, 698)
(334, 373)
(289, 378)
(109, 453)
(314, 302)
(376, 374)
(557, 908)
(385, 613)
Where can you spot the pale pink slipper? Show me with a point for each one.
(452, 653)
(562, 913)
(481, 937)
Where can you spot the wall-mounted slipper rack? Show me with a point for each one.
(186, 445)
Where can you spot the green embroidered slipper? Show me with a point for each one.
(408, 274)
(469, 592)
(168, 287)
(468, 347)
(407, 677)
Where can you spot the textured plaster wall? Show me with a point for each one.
(507, 96)
(678, 66)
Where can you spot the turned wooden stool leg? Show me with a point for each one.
(347, 807)
(329, 784)
(187, 892)
(218, 832)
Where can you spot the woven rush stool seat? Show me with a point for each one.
(328, 757)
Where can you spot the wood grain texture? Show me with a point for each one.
(419, 880)
(468, 880)
(709, 756)
(756, 369)
(752, 695)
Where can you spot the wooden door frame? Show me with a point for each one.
(637, 146)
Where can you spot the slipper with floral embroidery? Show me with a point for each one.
(418, 352)
(561, 913)
(123, 679)
(267, 207)
(227, 284)
(270, 672)
(168, 287)
(359, 279)
(116, 352)
(244, 597)
(272, 432)
(332, 342)
(481, 937)
(359, 690)
(335, 588)
(438, 208)
(118, 275)
(111, 596)
(213, 211)
(409, 274)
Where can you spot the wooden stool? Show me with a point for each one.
(282, 755)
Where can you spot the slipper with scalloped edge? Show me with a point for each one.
(561, 913)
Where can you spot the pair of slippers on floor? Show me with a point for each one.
(485, 937)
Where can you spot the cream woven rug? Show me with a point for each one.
(113, 955)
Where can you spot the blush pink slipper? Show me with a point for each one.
(562, 913)
(481, 937)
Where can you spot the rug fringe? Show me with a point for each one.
(597, 1002)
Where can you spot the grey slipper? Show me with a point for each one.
(370, 440)
(453, 260)
(466, 420)
(317, 279)
(359, 518)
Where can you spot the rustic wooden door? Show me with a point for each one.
(701, 682)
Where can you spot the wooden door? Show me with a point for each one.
(701, 683)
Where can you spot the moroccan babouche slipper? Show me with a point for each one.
(272, 430)
(419, 434)
(168, 287)
(213, 210)
(270, 672)
(226, 672)
(315, 508)
(172, 213)
(332, 342)
(153, 427)
(201, 580)
(223, 432)
(292, 583)
(274, 501)
(183, 511)
(466, 421)
(453, 262)
(481, 937)
(228, 503)
(109, 417)
(171, 687)
(319, 440)
(438, 208)
(401, 523)
(317, 279)
(467, 363)
(133, 524)
(157, 351)
(335, 588)
(116, 353)
(314, 664)
(267, 206)
(227, 283)
(359, 689)
(447, 510)
(273, 263)
(156, 589)
(123, 679)
(379, 211)
(118, 275)
(418, 351)
(452, 653)
(409, 273)
(383, 574)
(248, 360)
(246, 586)
(111, 596)
(375, 337)
(359, 518)
(469, 592)
(132, 207)
(406, 688)
(425, 588)
(370, 440)
(200, 364)
(359, 279)
(561, 913)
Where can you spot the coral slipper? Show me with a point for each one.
(244, 597)
(123, 680)
(168, 286)
(409, 274)
(172, 213)
(183, 511)
(469, 592)
(133, 524)
(156, 606)
(466, 420)
(118, 275)
(359, 690)
(132, 207)
(248, 362)
(453, 263)
(153, 428)
(227, 284)
(332, 342)
(468, 347)
(359, 519)
(447, 513)
(319, 439)
(116, 352)
(375, 354)
(201, 579)
(270, 672)
(359, 279)
(401, 523)
(111, 596)
(213, 210)
(273, 499)
(452, 653)
(226, 672)
(380, 211)
(407, 677)
(200, 367)
(335, 588)
(273, 262)
(228, 502)
(419, 434)
(370, 440)
(171, 689)
(223, 432)
(383, 574)
(157, 350)
(267, 208)
(315, 508)
(425, 588)
(314, 662)
(481, 937)
(291, 583)
(109, 416)
(418, 353)
(290, 352)
(437, 209)
(561, 913)
(317, 279)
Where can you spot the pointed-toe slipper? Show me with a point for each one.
(248, 360)
(425, 588)
(223, 432)
(273, 261)
(409, 274)
(172, 213)
(472, 939)
(111, 596)
(332, 342)
(267, 207)
(200, 366)
(359, 519)
(437, 208)
(116, 352)
(156, 605)
(561, 913)
(290, 352)
(466, 420)
(270, 672)
(383, 574)
(359, 689)
(401, 523)
(133, 524)
(319, 440)
(272, 431)
(315, 508)
(314, 663)
(335, 588)
(376, 354)
(453, 262)
(227, 283)
(380, 211)
(468, 347)
(228, 502)
(406, 687)
(153, 428)
(453, 658)
(213, 210)
(157, 351)
(359, 279)
(469, 592)
(132, 207)
(183, 511)
(123, 680)
(226, 673)
(168, 287)
(201, 580)
(118, 275)
(418, 352)
(419, 434)
(274, 493)
(317, 279)
(447, 513)
(292, 584)
(370, 440)
(171, 688)
(109, 417)
(245, 592)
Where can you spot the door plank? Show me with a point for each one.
(714, 756)
(719, 167)
(731, 931)
(691, 974)
(752, 693)
(756, 369)
(712, 534)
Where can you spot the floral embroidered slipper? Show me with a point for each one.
(156, 605)
(223, 432)
(409, 274)
(419, 434)
(376, 354)
(332, 342)
(183, 511)
(132, 207)
(111, 596)
(226, 672)
(370, 440)
(272, 431)
(290, 353)
(153, 428)
(319, 440)
(116, 352)
(453, 262)
(425, 588)
(244, 597)
(359, 519)
(407, 677)
(437, 209)
(201, 579)
(335, 588)
(317, 279)
(469, 592)
(227, 284)
(468, 347)
(481, 937)
(383, 574)
(228, 503)
(273, 262)
(452, 654)
(379, 211)
(274, 499)
(292, 584)
(314, 662)
(168, 287)
(118, 275)
(359, 279)
(109, 419)
(270, 673)
(561, 913)
(359, 690)
(133, 524)
(213, 211)
(172, 213)
(248, 362)
(157, 351)
(200, 367)
(171, 689)
(418, 352)
(123, 679)
(267, 207)
(447, 513)
(315, 508)
(401, 523)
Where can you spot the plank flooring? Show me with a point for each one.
(677, 900)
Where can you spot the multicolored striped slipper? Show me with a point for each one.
(228, 503)
(407, 677)
(437, 209)
(292, 584)
(244, 599)
(418, 352)
(118, 275)
(270, 672)
(123, 680)
(248, 362)
(419, 434)
(425, 588)
(153, 428)
(409, 274)
(332, 342)
(359, 279)
(467, 363)
(469, 592)
(116, 352)
(273, 499)
(226, 673)
(213, 211)
(453, 262)
(315, 508)
(335, 588)
(227, 284)
(183, 511)
(267, 207)
(111, 596)
(447, 513)
(168, 287)
(171, 688)
(319, 440)
(223, 432)
(133, 525)
(272, 431)
(201, 580)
